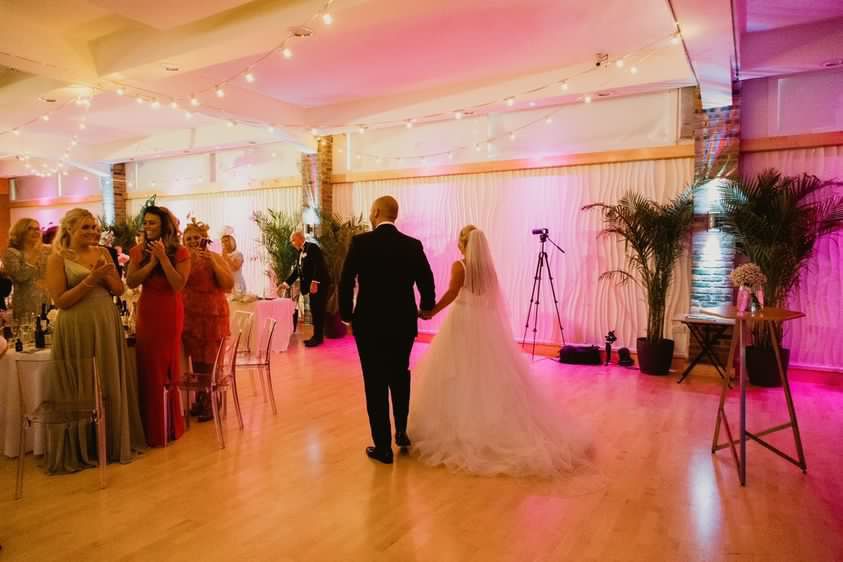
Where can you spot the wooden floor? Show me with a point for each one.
(298, 487)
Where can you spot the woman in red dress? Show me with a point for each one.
(205, 307)
(162, 266)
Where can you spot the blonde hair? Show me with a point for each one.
(17, 234)
(464, 234)
(199, 226)
(69, 222)
(232, 238)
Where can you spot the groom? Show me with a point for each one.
(386, 264)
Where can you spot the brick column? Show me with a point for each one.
(325, 169)
(118, 192)
(717, 151)
(5, 214)
(309, 182)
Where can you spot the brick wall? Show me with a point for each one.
(118, 186)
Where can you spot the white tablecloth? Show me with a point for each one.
(33, 370)
(281, 310)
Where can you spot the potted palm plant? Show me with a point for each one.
(776, 221)
(276, 228)
(655, 235)
(335, 236)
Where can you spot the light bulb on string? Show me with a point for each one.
(16, 132)
(82, 126)
(187, 115)
(139, 99)
(314, 131)
(230, 123)
(270, 129)
(220, 92)
(450, 156)
(174, 104)
(564, 86)
(477, 147)
(532, 104)
(155, 104)
(327, 18)
(361, 129)
(512, 136)
(45, 117)
(409, 124)
(458, 114)
(548, 120)
(287, 52)
(194, 101)
(510, 101)
(619, 63)
(121, 91)
(249, 77)
(587, 99)
(633, 70)
(674, 39)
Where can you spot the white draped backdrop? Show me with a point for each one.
(234, 209)
(815, 341)
(508, 205)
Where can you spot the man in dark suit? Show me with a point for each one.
(386, 265)
(315, 281)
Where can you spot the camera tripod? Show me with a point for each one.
(542, 264)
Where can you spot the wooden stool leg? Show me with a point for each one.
(791, 410)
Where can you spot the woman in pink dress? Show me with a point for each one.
(162, 266)
(205, 307)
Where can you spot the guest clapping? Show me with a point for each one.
(25, 262)
(235, 261)
(162, 265)
(205, 307)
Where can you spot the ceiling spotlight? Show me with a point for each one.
(121, 91)
(674, 40)
(633, 70)
(249, 77)
(327, 18)
(220, 92)
(458, 115)
(510, 101)
(587, 99)
(564, 86)
(287, 52)
(194, 101)
(619, 63)
(45, 117)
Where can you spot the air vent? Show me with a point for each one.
(301, 31)
(45, 99)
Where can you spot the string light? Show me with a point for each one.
(249, 77)
(82, 126)
(512, 136)
(633, 70)
(194, 101)
(549, 120)
(174, 104)
(314, 131)
(45, 117)
(187, 115)
(327, 18)
(155, 104)
(287, 52)
(120, 91)
(675, 39)
(361, 129)
(458, 115)
(510, 101)
(220, 92)
(230, 123)
(16, 132)
(564, 86)
(619, 63)
(587, 99)
(409, 124)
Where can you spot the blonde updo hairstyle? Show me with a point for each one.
(466, 231)
(70, 222)
(198, 226)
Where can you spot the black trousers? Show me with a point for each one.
(385, 360)
(317, 310)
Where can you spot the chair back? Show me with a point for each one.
(39, 380)
(265, 342)
(243, 324)
(226, 358)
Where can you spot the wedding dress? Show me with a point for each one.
(477, 407)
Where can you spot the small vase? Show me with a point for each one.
(744, 298)
(759, 297)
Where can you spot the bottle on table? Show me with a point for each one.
(39, 335)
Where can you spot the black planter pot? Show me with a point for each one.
(655, 358)
(761, 366)
(334, 328)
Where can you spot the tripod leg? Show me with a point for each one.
(555, 300)
(542, 257)
(532, 300)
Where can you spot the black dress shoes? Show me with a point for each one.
(313, 342)
(402, 440)
(381, 456)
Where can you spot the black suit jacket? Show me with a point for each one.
(386, 264)
(310, 267)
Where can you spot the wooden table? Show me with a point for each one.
(744, 321)
(707, 330)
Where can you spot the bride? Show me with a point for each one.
(477, 408)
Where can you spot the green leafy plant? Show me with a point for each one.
(123, 232)
(276, 228)
(654, 235)
(776, 221)
(335, 234)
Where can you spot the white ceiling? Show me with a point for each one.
(380, 62)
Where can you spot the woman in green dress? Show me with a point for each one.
(81, 278)
(25, 262)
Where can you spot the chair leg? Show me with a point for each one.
(166, 417)
(263, 384)
(236, 397)
(21, 453)
(214, 395)
(102, 452)
(266, 372)
(186, 406)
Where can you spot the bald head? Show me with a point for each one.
(383, 209)
(297, 239)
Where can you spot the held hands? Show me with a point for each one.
(314, 287)
(157, 249)
(426, 314)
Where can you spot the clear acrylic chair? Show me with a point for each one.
(217, 383)
(261, 361)
(243, 324)
(55, 412)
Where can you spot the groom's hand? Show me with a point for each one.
(425, 314)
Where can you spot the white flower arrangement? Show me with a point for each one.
(748, 275)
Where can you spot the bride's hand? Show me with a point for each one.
(426, 314)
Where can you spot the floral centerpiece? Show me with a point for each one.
(750, 281)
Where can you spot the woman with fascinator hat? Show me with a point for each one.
(162, 265)
(205, 307)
